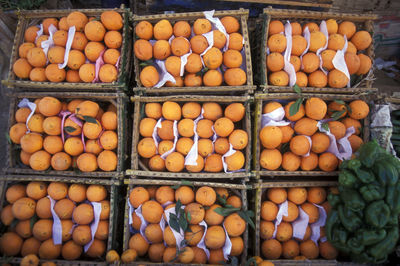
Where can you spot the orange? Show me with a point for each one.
(350, 122)
(95, 31)
(235, 112)
(17, 131)
(235, 161)
(275, 62)
(62, 24)
(35, 123)
(81, 234)
(193, 64)
(144, 30)
(162, 30)
(79, 42)
(149, 76)
(296, 62)
(96, 193)
(309, 249)
(170, 254)
(353, 62)
(93, 50)
(109, 140)
(335, 107)
(310, 62)
(212, 78)
(109, 120)
(57, 190)
(312, 26)
(327, 162)
(30, 259)
(147, 148)
(213, 58)
(337, 79)
(171, 111)
(175, 162)
(6, 215)
(317, 41)
(315, 108)
(154, 233)
(15, 192)
(277, 195)
(22, 114)
(296, 28)
(219, 39)
(277, 43)
(316, 195)
(77, 192)
(355, 142)
(359, 109)
(327, 57)
(213, 218)
(271, 249)
(239, 139)
(92, 130)
(36, 190)
(215, 237)
(97, 249)
(205, 147)
(152, 211)
(153, 110)
(156, 163)
(318, 79)
(297, 195)
(284, 232)
(351, 48)
(87, 72)
(192, 80)
(72, 76)
(165, 194)
(290, 249)
(269, 209)
(235, 41)
(180, 46)
(235, 77)
(185, 194)
(300, 145)
(271, 137)
(182, 28)
(173, 65)
(75, 59)
(113, 39)
(156, 252)
(40, 39)
(40, 160)
(206, 196)
(196, 212)
(30, 246)
(52, 125)
(365, 64)
(347, 28)
(311, 210)
(223, 127)
(31, 33)
(24, 156)
(49, 251)
(186, 255)
(201, 26)
(196, 168)
(232, 58)
(23, 228)
(266, 229)
(237, 246)
(83, 214)
(275, 27)
(36, 57)
(169, 237)
(31, 142)
(24, 48)
(335, 42)
(332, 26)
(77, 19)
(54, 74)
(234, 225)
(107, 160)
(42, 229)
(111, 56)
(191, 110)
(230, 23)
(143, 49)
(204, 128)
(198, 44)
(212, 111)
(306, 126)
(213, 163)
(337, 129)
(301, 79)
(270, 159)
(71, 251)
(87, 162)
(279, 78)
(290, 161)
(22, 68)
(112, 20)
(10, 243)
(310, 162)
(146, 126)
(299, 44)
(327, 250)
(23, 208)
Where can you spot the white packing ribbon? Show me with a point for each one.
(300, 224)
(179, 236)
(315, 227)
(49, 42)
(309, 141)
(306, 35)
(57, 227)
(144, 223)
(191, 157)
(210, 39)
(217, 24)
(39, 32)
(130, 217)
(344, 145)
(339, 62)
(230, 152)
(226, 249)
(32, 106)
(288, 67)
(71, 34)
(202, 243)
(283, 211)
(155, 136)
(164, 74)
(176, 136)
(95, 223)
(274, 118)
(324, 30)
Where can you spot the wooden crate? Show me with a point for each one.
(138, 169)
(115, 210)
(32, 17)
(263, 98)
(237, 189)
(258, 190)
(241, 15)
(14, 166)
(362, 21)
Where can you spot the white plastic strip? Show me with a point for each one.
(71, 34)
(300, 224)
(49, 42)
(95, 223)
(339, 62)
(191, 157)
(288, 67)
(226, 249)
(274, 118)
(202, 243)
(164, 74)
(315, 227)
(32, 106)
(324, 30)
(176, 136)
(57, 227)
(283, 211)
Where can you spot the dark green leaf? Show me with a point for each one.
(234, 261)
(183, 243)
(251, 262)
(146, 63)
(325, 126)
(297, 89)
(90, 119)
(202, 72)
(173, 222)
(33, 220)
(285, 147)
(246, 216)
(188, 216)
(337, 114)
(221, 200)
(206, 207)
(14, 223)
(183, 223)
(186, 183)
(8, 138)
(69, 129)
(348, 108)
(294, 108)
(225, 211)
(175, 186)
(178, 207)
(339, 102)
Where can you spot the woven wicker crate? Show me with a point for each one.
(258, 191)
(33, 17)
(241, 15)
(13, 166)
(112, 188)
(263, 98)
(238, 189)
(362, 21)
(138, 169)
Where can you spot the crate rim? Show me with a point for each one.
(55, 178)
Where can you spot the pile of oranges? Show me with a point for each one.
(199, 206)
(90, 137)
(93, 36)
(289, 146)
(216, 123)
(307, 66)
(200, 69)
(29, 219)
(283, 244)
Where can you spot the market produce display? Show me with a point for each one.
(312, 55)
(186, 224)
(395, 139)
(206, 52)
(192, 136)
(74, 48)
(53, 220)
(364, 220)
(79, 134)
(311, 133)
(292, 223)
